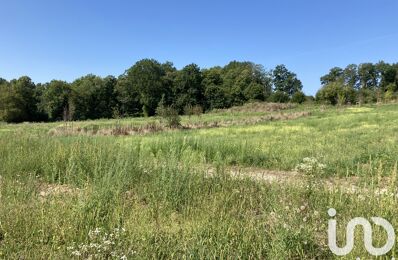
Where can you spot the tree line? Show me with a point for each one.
(144, 87)
(363, 83)
(149, 84)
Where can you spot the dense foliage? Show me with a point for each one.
(140, 90)
(142, 87)
(363, 83)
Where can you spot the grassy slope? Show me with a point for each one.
(154, 186)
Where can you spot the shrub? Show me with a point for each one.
(336, 93)
(254, 91)
(298, 97)
(389, 95)
(170, 115)
(197, 110)
(279, 97)
(367, 96)
(188, 110)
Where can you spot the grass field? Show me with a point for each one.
(170, 194)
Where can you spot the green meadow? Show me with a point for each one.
(75, 190)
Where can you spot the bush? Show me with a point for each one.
(188, 110)
(197, 110)
(392, 87)
(389, 95)
(336, 93)
(367, 96)
(170, 115)
(254, 92)
(279, 97)
(298, 97)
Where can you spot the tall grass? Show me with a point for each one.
(158, 190)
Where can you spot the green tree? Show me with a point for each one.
(212, 76)
(146, 78)
(93, 97)
(333, 75)
(106, 97)
(238, 76)
(215, 97)
(128, 97)
(367, 76)
(214, 93)
(351, 77)
(188, 89)
(336, 92)
(18, 100)
(55, 99)
(298, 97)
(286, 81)
(254, 91)
(279, 97)
(386, 73)
(170, 73)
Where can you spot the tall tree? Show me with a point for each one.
(170, 73)
(213, 88)
(367, 76)
(55, 99)
(146, 78)
(336, 92)
(286, 81)
(351, 77)
(107, 101)
(18, 101)
(93, 97)
(188, 88)
(386, 74)
(260, 87)
(244, 80)
(333, 75)
(128, 97)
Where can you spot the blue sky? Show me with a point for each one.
(47, 39)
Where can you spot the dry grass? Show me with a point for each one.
(47, 190)
(153, 127)
(249, 121)
(347, 185)
(258, 107)
(116, 130)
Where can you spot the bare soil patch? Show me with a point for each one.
(350, 185)
(47, 190)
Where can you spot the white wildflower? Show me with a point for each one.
(285, 226)
(76, 253)
(94, 233)
(310, 166)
